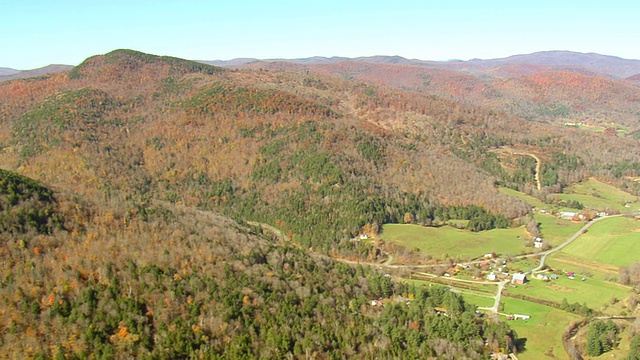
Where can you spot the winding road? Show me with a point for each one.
(496, 305)
(414, 268)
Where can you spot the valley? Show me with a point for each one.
(156, 207)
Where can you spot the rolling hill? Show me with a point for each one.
(138, 245)
(158, 164)
(558, 87)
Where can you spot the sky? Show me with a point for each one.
(36, 33)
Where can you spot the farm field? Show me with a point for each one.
(543, 331)
(581, 266)
(449, 241)
(600, 196)
(613, 241)
(554, 230)
(597, 294)
(475, 297)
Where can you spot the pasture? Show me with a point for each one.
(597, 294)
(543, 331)
(614, 241)
(463, 244)
(600, 196)
(554, 230)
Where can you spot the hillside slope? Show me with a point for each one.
(120, 276)
(270, 145)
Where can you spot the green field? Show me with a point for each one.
(543, 331)
(475, 297)
(592, 269)
(448, 241)
(600, 196)
(595, 293)
(613, 241)
(554, 230)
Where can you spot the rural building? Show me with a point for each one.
(538, 243)
(568, 215)
(491, 277)
(364, 237)
(519, 278)
(521, 316)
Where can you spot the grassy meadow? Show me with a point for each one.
(597, 294)
(613, 241)
(554, 230)
(600, 196)
(542, 332)
(448, 241)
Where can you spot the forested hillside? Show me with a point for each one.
(533, 92)
(126, 257)
(139, 279)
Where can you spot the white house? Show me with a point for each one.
(491, 276)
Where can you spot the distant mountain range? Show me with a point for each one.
(516, 65)
(8, 74)
(586, 63)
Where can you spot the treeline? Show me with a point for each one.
(602, 337)
(630, 275)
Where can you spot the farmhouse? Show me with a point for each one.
(519, 278)
(538, 243)
(491, 277)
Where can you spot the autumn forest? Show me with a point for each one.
(133, 188)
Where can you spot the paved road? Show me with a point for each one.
(496, 304)
(567, 242)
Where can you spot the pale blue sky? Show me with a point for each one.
(35, 33)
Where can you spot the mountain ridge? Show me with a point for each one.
(606, 64)
(10, 74)
(594, 63)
